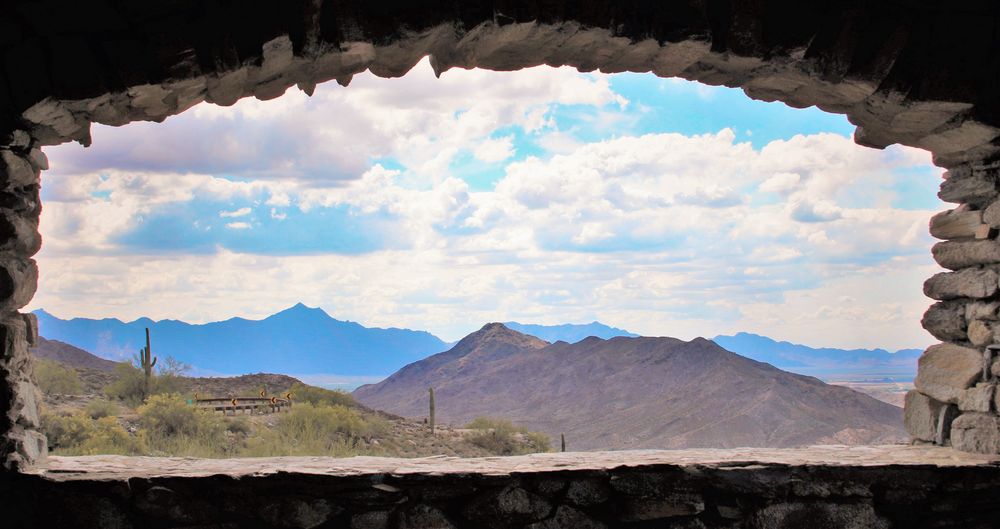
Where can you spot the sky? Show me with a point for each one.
(546, 195)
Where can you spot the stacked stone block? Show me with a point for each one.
(955, 400)
(21, 162)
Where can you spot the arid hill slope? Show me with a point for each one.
(627, 393)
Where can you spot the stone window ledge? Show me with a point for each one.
(820, 487)
(111, 467)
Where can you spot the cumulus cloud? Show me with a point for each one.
(242, 212)
(419, 120)
(660, 233)
(495, 150)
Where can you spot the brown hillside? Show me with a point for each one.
(627, 393)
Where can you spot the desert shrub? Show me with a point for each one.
(538, 442)
(315, 395)
(66, 431)
(170, 426)
(97, 409)
(238, 426)
(108, 437)
(129, 385)
(130, 381)
(78, 434)
(170, 376)
(55, 378)
(501, 437)
(314, 430)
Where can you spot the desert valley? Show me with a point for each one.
(588, 387)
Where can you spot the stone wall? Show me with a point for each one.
(919, 73)
(955, 400)
(21, 162)
(640, 490)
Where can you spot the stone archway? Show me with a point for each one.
(908, 73)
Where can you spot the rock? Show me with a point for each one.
(977, 188)
(976, 432)
(38, 160)
(568, 517)
(966, 283)
(25, 408)
(513, 505)
(818, 516)
(226, 89)
(957, 223)
(978, 398)
(16, 170)
(982, 310)
(945, 320)
(946, 370)
(590, 492)
(30, 328)
(991, 215)
(982, 333)
(955, 255)
(424, 517)
(370, 520)
(667, 506)
(298, 513)
(18, 282)
(920, 415)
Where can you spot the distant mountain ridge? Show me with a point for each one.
(568, 332)
(797, 358)
(626, 393)
(299, 340)
(69, 355)
(825, 361)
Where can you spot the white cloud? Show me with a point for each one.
(241, 212)
(495, 150)
(663, 234)
(780, 183)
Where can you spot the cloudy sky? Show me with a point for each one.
(546, 196)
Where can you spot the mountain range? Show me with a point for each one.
(296, 340)
(631, 393)
(824, 362)
(307, 341)
(72, 356)
(568, 332)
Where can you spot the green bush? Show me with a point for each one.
(315, 395)
(78, 434)
(100, 408)
(66, 431)
(108, 437)
(171, 426)
(129, 385)
(56, 378)
(130, 382)
(238, 426)
(501, 437)
(321, 429)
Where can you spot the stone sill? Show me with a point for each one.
(820, 487)
(108, 467)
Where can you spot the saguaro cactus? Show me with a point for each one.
(431, 420)
(147, 361)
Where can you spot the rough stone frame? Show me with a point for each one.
(907, 73)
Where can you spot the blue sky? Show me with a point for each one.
(658, 205)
